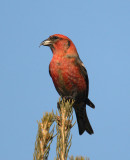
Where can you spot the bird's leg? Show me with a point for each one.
(68, 98)
(58, 104)
(65, 98)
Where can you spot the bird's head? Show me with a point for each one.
(60, 44)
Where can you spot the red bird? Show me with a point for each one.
(70, 77)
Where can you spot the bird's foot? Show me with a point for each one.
(68, 98)
(58, 105)
(65, 99)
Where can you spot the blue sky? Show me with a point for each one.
(101, 32)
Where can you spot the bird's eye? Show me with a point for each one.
(54, 37)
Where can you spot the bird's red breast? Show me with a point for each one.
(66, 75)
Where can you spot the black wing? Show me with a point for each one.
(85, 75)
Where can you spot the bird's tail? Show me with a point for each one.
(82, 119)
